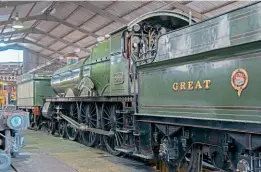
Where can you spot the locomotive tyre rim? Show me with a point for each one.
(51, 126)
(110, 121)
(32, 124)
(31, 119)
(5, 161)
(44, 127)
(89, 138)
(61, 128)
(89, 117)
(72, 132)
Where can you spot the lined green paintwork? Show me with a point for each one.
(68, 76)
(42, 89)
(119, 68)
(69, 67)
(101, 51)
(116, 43)
(101, 66)
(160, 99)
(203, 59)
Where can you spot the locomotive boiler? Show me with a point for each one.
(165, 87)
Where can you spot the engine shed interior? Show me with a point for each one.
(171, 85)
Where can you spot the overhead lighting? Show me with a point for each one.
(107, 36)
(17, 24)
(100, 39)
(77, 50)
(61, 57)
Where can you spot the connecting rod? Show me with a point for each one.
(84, 128)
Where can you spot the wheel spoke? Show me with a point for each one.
(71, 131)
(89, 118)
(110, 122)
(106, 118)
(61, 127)
(93, 111)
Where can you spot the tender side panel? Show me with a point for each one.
(203, 89)
(25, 94)
(42, 90)
(234, 28)
(32, 93)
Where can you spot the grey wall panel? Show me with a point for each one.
(32, 61)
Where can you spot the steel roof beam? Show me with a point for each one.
(14, 3)
(101, 12)
(187, 10)
(35, 53)
(23, 40)
(42, 46)
(218, 7)
(29, 30)
(37, 17)
(48, 17)
(35, 30)
(23, 47)
(52, 18)
(39, 54)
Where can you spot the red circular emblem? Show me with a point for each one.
(239, 80)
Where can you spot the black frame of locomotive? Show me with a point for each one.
(163, 138)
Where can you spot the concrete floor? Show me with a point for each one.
(53, 154)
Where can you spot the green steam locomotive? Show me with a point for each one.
(165, 87)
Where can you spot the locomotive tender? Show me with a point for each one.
(166, 87)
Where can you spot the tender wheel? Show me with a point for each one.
(88, 115)
(61, 128)
(111, 121)
(217, 159)
(71, 131)
(192, 162)
(196, 159)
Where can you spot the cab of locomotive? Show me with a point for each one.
(142, 34)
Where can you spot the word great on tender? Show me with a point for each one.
(190, 85)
